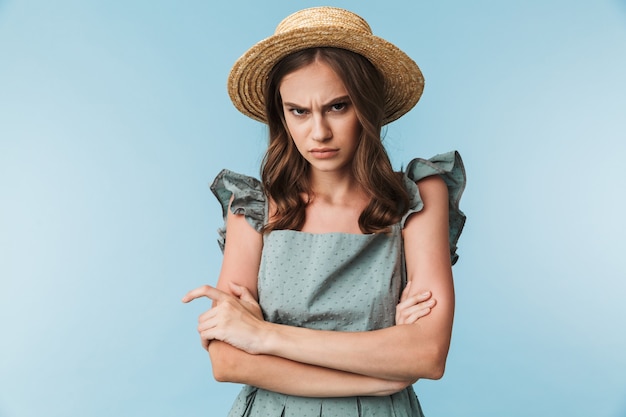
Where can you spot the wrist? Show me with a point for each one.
(268, 339)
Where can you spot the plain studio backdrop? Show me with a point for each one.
(114, 119)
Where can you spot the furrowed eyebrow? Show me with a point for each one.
(288, 104)
(332, 102)
(342, 99)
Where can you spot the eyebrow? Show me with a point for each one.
(330, 103)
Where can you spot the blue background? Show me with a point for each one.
(114, 118)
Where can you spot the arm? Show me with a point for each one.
(293, 378)
(401, 353)
(242, 254)
(285, 376)
(406, 352)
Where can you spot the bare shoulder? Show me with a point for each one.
(432, 188)
(434, 194)
(426, 232)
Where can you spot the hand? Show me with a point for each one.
(412, 308)
(235, 319)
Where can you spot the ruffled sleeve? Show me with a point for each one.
(247, 199)
(450, 167)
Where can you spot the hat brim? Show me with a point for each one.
(404, 82)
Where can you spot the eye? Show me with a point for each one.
(297, 112)
(338, 107)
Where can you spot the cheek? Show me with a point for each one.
(295, 131)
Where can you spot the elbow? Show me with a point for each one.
(222, 362)
(432, 365)
(437, 364)
(221, 374)
(436, 371)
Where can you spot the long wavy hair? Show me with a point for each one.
(285, 173)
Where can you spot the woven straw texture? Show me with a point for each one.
(325, 27)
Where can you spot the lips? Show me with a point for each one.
(323, 153)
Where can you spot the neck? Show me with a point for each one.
(333, 187)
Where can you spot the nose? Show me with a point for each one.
(321, 130)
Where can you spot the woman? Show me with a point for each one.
(308, 310)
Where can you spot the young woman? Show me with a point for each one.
(325, 303)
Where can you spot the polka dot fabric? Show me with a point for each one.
(333, 281)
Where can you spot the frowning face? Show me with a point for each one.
(320, 117)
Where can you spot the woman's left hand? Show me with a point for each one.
(235, 319)
(413, 307)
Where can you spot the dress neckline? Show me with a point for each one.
(394, 227)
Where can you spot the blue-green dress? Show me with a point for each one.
(334, 281)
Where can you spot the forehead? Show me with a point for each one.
(316, 79)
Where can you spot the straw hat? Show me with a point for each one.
(325, 27)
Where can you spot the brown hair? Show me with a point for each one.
(284, 171)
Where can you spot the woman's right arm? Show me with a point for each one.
(242, 256)
(293, 378)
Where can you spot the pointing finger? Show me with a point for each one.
(204, 291)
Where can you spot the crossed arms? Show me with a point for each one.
(315, 363)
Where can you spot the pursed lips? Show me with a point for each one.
(323, 152)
